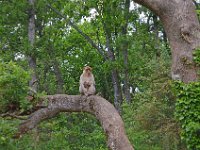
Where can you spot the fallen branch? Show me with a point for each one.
(103, 110)
(13, 116)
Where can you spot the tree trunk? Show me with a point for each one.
(106, 93)
(104, 111)
(45, 84)
(126, 77)
(183, 31)
(59, 77)
(117, 90)
(156, 36)
(33, 83)
(114, 71)
(125, 52)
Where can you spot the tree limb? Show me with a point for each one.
(104, 111)
(154, 5)
(13, 116)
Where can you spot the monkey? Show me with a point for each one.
(87, 82)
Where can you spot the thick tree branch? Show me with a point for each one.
(92, 43)
(154, 5)
(103, 110)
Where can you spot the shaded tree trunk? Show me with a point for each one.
(59, 77)
(104, 111)
(117, 90)
(45, 84)
(156, 36)
(125, 52)
(33, 83)
(126, 77)
(183, 31)
(114, 71)
(106, 87)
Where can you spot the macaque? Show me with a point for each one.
(87, 83)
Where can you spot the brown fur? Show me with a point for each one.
(87, 83)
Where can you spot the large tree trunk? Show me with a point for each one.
(33, 83)
(183, 31)
(104, 111)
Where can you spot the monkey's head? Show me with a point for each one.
(87, 69)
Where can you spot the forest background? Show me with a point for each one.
(44, 46)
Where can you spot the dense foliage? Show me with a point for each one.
(66, 131)
(13, 87)
(187, 112)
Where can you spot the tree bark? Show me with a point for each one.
(125, 52)
(103, 110)
(45, 83)
(183, 31)
(33, 83)
(117, 90)
(59, 77)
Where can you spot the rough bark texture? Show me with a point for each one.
(104, 111)
(183, 31)
(33, 83)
